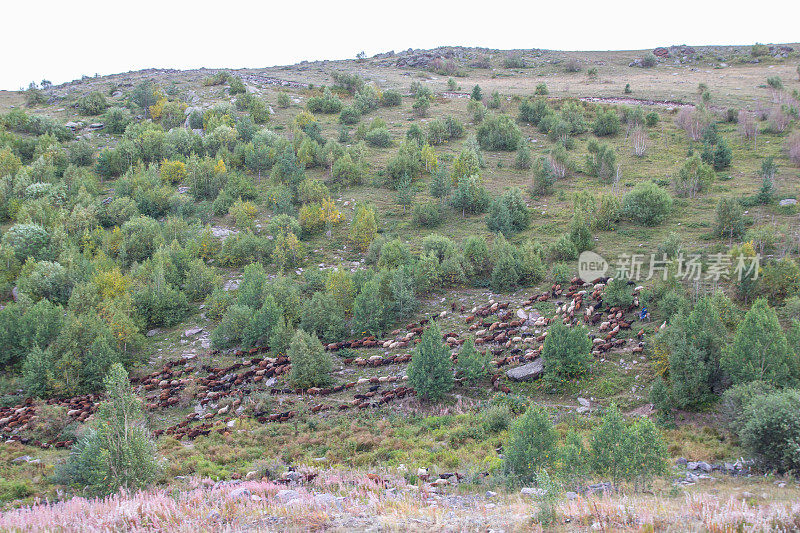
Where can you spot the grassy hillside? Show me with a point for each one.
(187, 224)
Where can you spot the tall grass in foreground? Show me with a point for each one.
(354, 501)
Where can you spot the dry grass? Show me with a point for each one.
(353, 502)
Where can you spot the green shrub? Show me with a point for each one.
(14, 490)
(455, 129)
(779, 280)
(141, 236)
(695, 342)
(623, 452)
(81, 154)
(421, 106)
(618, 293)
(323, 316)
(200, 280)
(350, 115)
(606, 123)
(531, 445)
(772, 430)
(601, 161)
(311, 366)
(92, 104)
(499, 132)
(495, 419)
(729, 218)
(472, 364)
(524, 159)
(326, 104)
(470, 196)
(45, 279)
(437, 132)
(541, 89)
(429, 372)
(651, 119)
(391, 98)
(573, 459)
(563, 249)
(647, 203)
(476, 93)
(580, 235)
(759, 351)
(543, 178)
(694, 176)
(649, 60)
(509, 213)
(231, 330)
(735, 400)
(379, 137)
(427, 214)
(116, 452)
(161, 306)
(759, 50)
(28, 240)
(34, 96)
(566, 352)
(514, 61)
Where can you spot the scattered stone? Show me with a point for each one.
(572, 495)
(153, 332)
(235, 494)
(192, 332)
(788, 201)
(325, 499)
(222, 233)
(698, 465)
(26, 459)
(527, 372)
(286, 495)
(532, 491)
(606, 486)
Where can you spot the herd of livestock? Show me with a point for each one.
(216, 395)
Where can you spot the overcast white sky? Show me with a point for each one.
(62, 40)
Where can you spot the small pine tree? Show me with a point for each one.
(499, 218)
(608, 446)
(531, 445)
(730, 218)
(311, 366)
(440, 185)
(364, 227)
(580, 235)
(696, 343)
(117, 450)
(759, 350)
(429, 372)
(524, 160)
(477, 95)
(566, 352)
(405, 193)
(472, 364)
(369, 310)
(262, 323)
(573, 461)
(647, 452)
